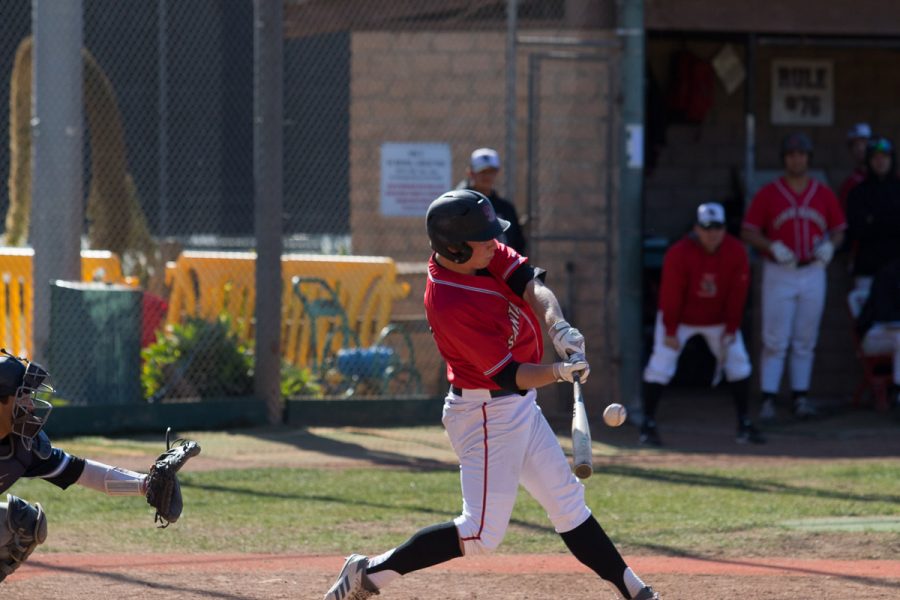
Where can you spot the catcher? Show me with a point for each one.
(26, 451)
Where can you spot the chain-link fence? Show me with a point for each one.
(384, 104)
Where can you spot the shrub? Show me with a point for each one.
(298, 382)
(198, 358)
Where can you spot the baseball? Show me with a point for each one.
(614, 415)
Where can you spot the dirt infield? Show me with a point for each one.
(258, 576)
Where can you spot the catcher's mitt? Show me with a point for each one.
(163, 490)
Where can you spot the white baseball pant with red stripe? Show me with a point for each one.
(502, 442)
(793, 299)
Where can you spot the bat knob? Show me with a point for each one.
(583, 471)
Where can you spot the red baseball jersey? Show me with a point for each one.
(699, 288)
(798, 220)
(479, 324)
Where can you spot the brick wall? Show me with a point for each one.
(450, 87)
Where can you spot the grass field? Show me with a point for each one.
(247, 493)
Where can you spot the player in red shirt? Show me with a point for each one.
(796, 223)
(857, 140)
(705, 277)
(488, 308)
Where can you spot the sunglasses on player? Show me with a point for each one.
(713, 226)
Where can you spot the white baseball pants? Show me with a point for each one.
(733, 361)
(793, 299)
(502, 442)
(883, 340)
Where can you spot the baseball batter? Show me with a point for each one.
(488, 308)
(26, 451)
(796, 222)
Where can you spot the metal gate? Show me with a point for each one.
(571, 161)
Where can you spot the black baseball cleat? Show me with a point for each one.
(748, 434)
(804, 409)
(649, 435)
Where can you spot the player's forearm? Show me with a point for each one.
(837, 238)
(532, 375)
(756, 239)
(543, 302)
(112, 481)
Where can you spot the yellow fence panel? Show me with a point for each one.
(206, 284)
(17, 293)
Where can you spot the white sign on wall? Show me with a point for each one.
(802, 92)
(412, 175)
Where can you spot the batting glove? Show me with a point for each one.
(576, 365)
(781, 253)
(824, 251)
(566, 339)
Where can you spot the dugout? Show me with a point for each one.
(716, 111)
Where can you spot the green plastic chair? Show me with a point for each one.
(385, 367)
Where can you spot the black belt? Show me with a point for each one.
(798, 264)
(494, 393)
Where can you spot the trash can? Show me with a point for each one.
(94, 353)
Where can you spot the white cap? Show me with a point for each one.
(859, 130)
(484, 158)
(709, 213)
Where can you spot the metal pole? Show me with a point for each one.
(163, 109)
(512, 16)
(532, 155)
(750, 120)
(56, 176)
(268, 119)
(630, 268)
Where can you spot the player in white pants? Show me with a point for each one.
(878, 321)
(792, 303)
(796, 222)
(488, 308)
(703, 291)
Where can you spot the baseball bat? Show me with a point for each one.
(581, 435)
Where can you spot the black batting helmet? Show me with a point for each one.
(796, 142)
(458, 217)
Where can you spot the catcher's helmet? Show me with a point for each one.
(796, 142)
(24, 380)
(458, 217)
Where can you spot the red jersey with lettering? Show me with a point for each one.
(699, 288)
(479, 324)
(798, 220)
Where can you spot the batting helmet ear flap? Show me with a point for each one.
(458, 252)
